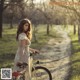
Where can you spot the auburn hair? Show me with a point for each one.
(21, 29)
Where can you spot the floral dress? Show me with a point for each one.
(22, 52)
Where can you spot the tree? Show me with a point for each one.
(73, 6)
(1, 15)
(9, 3)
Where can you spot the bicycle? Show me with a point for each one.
(36, 72)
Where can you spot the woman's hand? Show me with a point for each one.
(36, 51)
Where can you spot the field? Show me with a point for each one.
(75, 57)
(9, 45)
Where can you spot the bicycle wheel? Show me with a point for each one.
(21, 77)
(41, 73)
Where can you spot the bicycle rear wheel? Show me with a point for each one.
(41, 73)
(21, 77)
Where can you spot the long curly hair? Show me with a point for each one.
(21, 29)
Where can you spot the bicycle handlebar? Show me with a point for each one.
(32, 53)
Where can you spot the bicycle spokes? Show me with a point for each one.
(40, 74)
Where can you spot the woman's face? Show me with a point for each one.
(26, 26)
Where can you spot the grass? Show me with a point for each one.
(75, 57)
(9, 45)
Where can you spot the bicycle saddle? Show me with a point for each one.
(21, 65)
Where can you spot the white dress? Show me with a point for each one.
(22, 52)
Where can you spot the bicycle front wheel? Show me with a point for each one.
(41, 73)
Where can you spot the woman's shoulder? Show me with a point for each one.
(22, 36)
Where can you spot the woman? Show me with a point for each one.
(24, 36)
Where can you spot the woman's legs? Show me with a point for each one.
(27, 77)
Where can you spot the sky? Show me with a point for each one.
(38, 1)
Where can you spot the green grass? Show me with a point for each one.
(9, 45)
(75, 57)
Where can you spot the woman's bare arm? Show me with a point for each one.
(34, 50)
(22, 48)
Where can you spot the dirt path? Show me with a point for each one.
(57, 56)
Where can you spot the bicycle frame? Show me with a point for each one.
(30, 69)
(31, 65)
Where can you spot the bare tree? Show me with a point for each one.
(1, 15)
(73, 7)
(9, 3)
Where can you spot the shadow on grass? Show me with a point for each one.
(75, 41)
(6, 57)
(75, 49)
(65, 65)
(6, 60)
(68, 76)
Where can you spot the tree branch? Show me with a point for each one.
(70, 8)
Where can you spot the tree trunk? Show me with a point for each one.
(74, 29)
(47, 29)
(34, 34)
(78, 32)
(11, 23)
(0, 24)
(1, 17)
